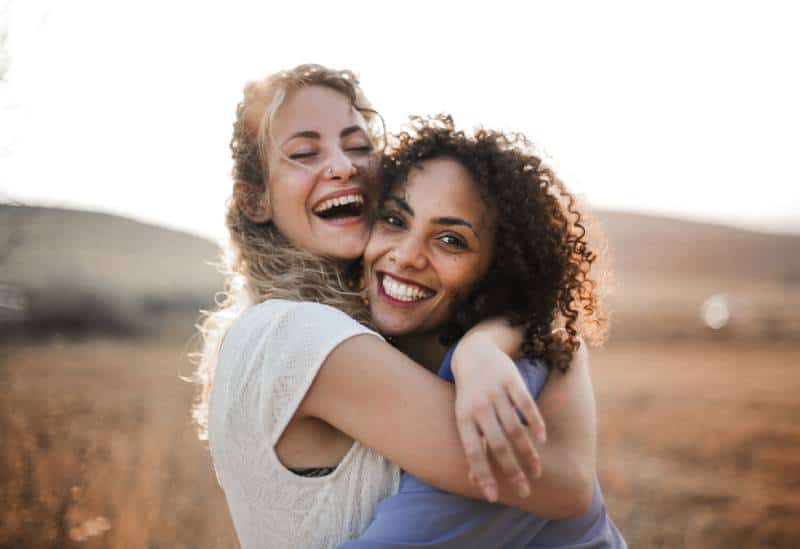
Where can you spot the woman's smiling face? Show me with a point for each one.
(321, 173)
(432, 242)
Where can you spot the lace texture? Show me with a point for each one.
(267, 363)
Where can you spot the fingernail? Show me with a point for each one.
(523, 488)
(490, 491)
(541, 436)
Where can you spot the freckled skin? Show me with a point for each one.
(419, 248)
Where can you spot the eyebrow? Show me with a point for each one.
(350, 130)
(310, 134)
(449, 221)
(446, 220)
(402, 204)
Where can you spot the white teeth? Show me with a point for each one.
(403, 292)
(339, 201)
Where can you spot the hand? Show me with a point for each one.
(490, 397)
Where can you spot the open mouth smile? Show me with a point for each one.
(342, 207)
(403, 291)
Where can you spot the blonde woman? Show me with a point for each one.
(310, 414)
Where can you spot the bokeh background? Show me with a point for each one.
(677, 123)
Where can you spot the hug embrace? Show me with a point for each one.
(396, 308)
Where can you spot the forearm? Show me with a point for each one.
(566, 484)
(569, 458)
(567, 405)
(378, 396)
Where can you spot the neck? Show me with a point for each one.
(424, 349)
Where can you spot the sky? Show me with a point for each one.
(681, 108)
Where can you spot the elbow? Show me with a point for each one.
(572, 505)
(579, 499)
(576, 495)
(579, 504)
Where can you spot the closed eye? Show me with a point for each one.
(301, 156)
(361, 149)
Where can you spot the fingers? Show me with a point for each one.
(523, 401)
(502, 448)
(480, 471)
(520, 437)
(502, 419)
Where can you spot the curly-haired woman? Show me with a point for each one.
(469, 228)
(309, 413)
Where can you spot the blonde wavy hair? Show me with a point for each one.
(260, 263)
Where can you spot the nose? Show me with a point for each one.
(409, 254)
(340, 167)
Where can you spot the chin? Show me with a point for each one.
(344, 249)
(392, 327)
(349, 246)
(348, 253)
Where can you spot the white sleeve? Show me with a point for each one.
(296, 344)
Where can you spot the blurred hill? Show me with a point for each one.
(108, 272)
(675, 278)
(59, 266)
(648, 245)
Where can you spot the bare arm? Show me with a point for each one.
(376, 395)
(484, 407)
(569, 457)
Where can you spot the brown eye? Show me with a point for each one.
(453, 241)
(393, 220)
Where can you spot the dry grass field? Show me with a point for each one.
(99, 450)
(699, 446)
(700, 443)
(699, 438)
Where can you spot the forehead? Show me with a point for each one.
(442, 187)
(315, 108)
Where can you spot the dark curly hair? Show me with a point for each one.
(539, 276)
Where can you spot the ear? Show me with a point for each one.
(253, 201)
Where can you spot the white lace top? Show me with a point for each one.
(267, 363)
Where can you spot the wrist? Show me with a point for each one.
(472, 350)
(502, 335)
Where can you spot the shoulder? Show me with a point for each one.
(301, 316)
(295, 330)
(274, 308)
(300, 309)
(287, 334)
(278, 348)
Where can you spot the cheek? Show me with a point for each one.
(291, 186)
(459, 274)
(278, 199)
(288, 215)
(375, 247)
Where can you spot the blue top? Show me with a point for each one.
(420, 515)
